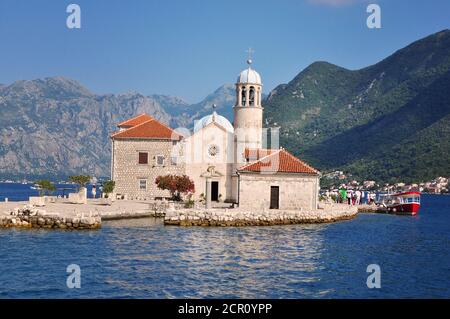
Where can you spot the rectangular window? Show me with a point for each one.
(143, 184)
(143, 158)
(160, 160)
(274, 197)
(174, 160)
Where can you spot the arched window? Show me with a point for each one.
(251, 96)
(244, 96)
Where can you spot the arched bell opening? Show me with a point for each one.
(251, 96)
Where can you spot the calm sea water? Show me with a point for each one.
(21, 192)
(142, 258)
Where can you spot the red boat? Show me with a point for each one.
(407, 203)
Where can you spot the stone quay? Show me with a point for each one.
(91, 215)
(32, 217)
(326, 213)
(60, 214)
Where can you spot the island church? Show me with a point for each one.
(227, 162)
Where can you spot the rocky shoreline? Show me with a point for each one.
(32, 217)
(235, 217)
(28, 216)
(63, 215)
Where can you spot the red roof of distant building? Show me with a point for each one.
(136, 120)
(151, 129)
(257, 153)
(280, 161)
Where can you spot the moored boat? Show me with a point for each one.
(407, 203)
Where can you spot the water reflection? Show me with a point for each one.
(142, 258)
(209, 262)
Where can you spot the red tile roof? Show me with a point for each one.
(280, 161)
(151, 129)
(257, 153)
(141, 118)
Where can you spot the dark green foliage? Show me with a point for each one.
(81, 180)
(108, 187)
(45, 187)
(388, 122)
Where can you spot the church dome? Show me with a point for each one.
(249, 76)
(208, 119)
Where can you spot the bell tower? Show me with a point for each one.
(248, 112)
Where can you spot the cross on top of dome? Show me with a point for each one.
(249, 76)
(250, 51)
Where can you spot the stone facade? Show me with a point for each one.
(199, 158)
(128, 173)
(296, 191)
(213, 157)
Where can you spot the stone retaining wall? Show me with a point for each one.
(127, 215)
(31, 217)
(235, 217)
(71, 216)
(369, 209)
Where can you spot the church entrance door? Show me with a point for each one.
(215, 191)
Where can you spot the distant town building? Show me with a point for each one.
(369, 184)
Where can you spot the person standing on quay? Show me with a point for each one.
(358, 197)
(342, 194)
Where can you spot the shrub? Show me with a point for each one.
(176, 185)
(108, 187)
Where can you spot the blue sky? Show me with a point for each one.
(188, 48)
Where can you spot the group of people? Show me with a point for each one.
(351, 197)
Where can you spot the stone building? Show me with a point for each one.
(141, 151)
(281, 181)
(226, 161)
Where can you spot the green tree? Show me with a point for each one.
(80, 180)
(108, 187)
(45, 187)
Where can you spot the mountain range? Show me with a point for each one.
(55, 127)
(389, 121)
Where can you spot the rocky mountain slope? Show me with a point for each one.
(55, 127)
(184, 114)
(388, 121)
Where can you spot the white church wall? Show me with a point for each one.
(194, 171)
(210, 146)
(296, 191)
